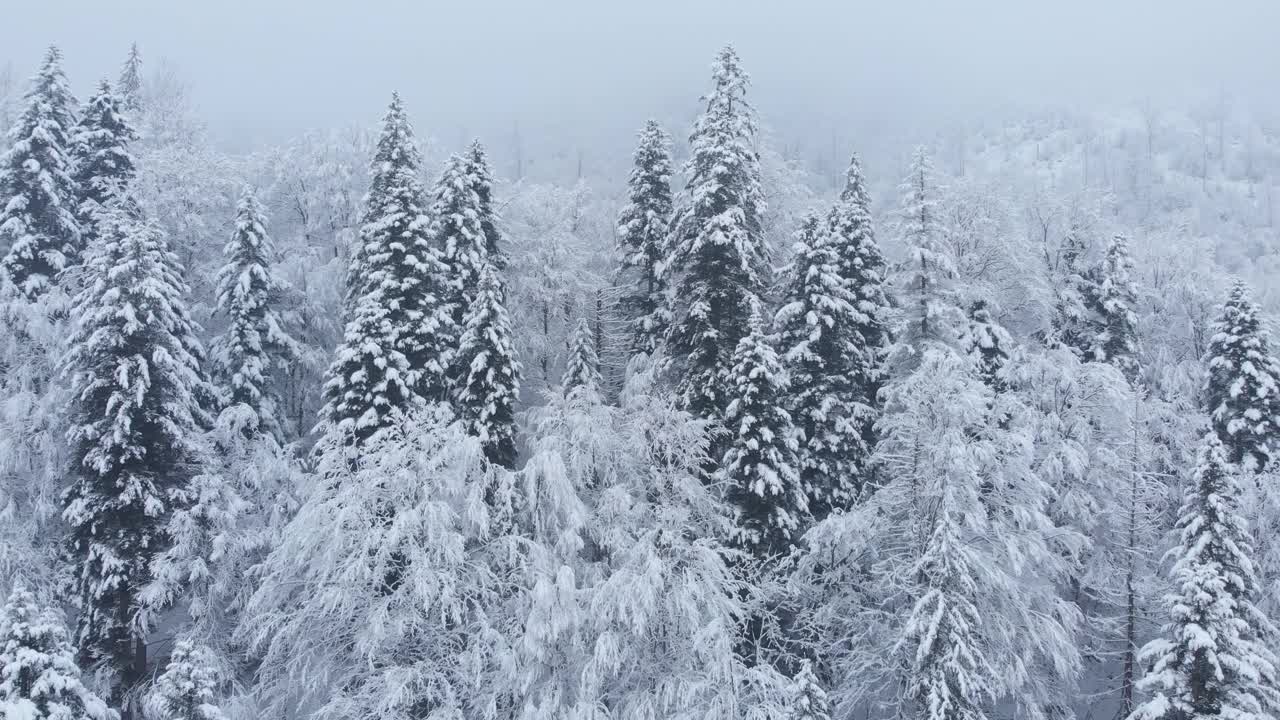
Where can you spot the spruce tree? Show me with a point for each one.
(808, 699)
(1243, 391)
(255, 340)
(100, 156)
(395, 346)
(1214, 660)
(487, 390)
(135, 374)
(829, 366)
(458, 236)
(38, 195)
(720, 257)
(761, 468)
(39, 678)
(644, 240)
(582, 370)
(926, 276)
(987, 344)
(130, 82)
(1116, 340)
(862, 267)
(1076, 294)
(481, 181)
(188, 688)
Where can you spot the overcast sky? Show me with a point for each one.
(260, 70)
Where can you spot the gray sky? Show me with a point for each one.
(260, 71)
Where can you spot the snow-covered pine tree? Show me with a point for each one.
(255, 341)
(644, 238)
(489, 383)
(458, 236)
(808, 699)
(1214, 660)
(1243, 391)
(102, 164)
(481, 180)
(582, 370)
(1076, 293)
(188, 688)
(719, 260)
(926, 276)
(851, 236)
(130, 82)
(988, 344)
(395, 345)
(38, 196)
(761, 467)
(821, 346)
(135, 371)
(1116, 340)
(39, 678)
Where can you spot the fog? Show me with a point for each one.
(585, 69)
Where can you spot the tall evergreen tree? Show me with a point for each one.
(720, 257)
(582, 370)
(644, 240)
(1243, 390)
(486, 394)
(38, 196)
(395, 347)
(1076, 294)
(819, 340)
(988, 344)
(135, 373)
(39, 678)
(255, 340)
(459, 237)
(481, 181)
(130, 82)
(103, 166)
(926, 276)
(761, 468)
(1116, 341)
(1214, 660)
(861, 265)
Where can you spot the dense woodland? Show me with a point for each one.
(366, 427)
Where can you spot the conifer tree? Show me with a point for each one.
(644, 240)
(720, 257)
(481, 180)
(809, 700)
(38, 196)
(582, 370)
(1243, 390)
(188, 688)
(459, 236)
(988, 344)
(395, 345)
(852, 238)
(1116, 341)
(255, 340)
(761, 468)
(102, 164)
(926, 276)
(39, 678)
(135, 373)
(820, 343)
(1077, 292)
(130, 82)
(486, 394)
(1214, 660)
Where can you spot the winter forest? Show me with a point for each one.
(982, 423)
